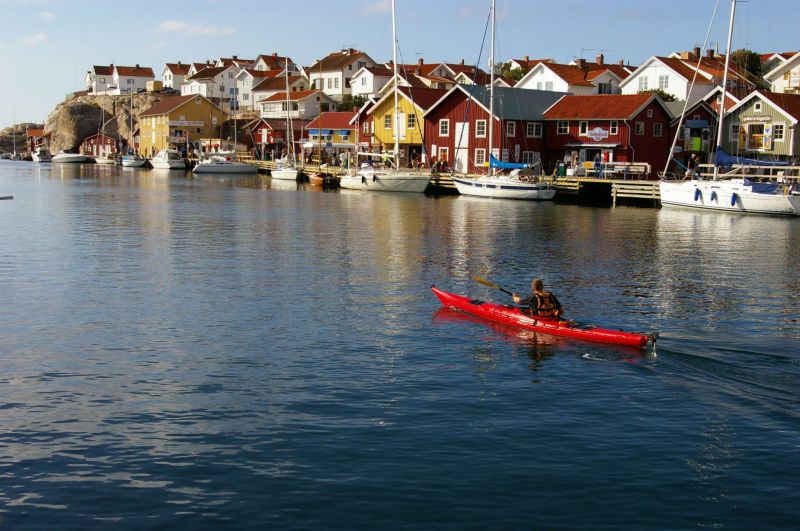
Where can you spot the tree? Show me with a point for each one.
(514, 74)
(750, 62)
(350, 102)
(661, 93)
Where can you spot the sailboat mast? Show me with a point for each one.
(288, 110)
(396, 88)
(491, 89)
(724, 88)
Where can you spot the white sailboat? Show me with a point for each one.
(63, 157)
(222, 163)
(515, 185)
(168, 159)
(14, 154)
(390, 178)
(108, 157)
(286, 169)
(727, 194)
(132, 160)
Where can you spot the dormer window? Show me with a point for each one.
(757, 106)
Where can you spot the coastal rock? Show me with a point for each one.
(7, 137)
(79, 117)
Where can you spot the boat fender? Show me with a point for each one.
(714, 196)
(363, 180)
(374, 178)
(733, 199)
(697, 194)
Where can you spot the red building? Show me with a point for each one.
(267, 137)
(632, 128)
(99, 145)
(457, 126)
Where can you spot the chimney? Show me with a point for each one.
(274, 54)
(581, 63)
(350, 51)
(622, 62)
(526, 59)
(234, 57)
(696, 53)
(710, 53)
(137, 65)
(599, 59)
(461, 63)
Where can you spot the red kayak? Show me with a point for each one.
(546, 325)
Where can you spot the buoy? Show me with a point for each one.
(714, 196)
(733, 199)
(697, 194)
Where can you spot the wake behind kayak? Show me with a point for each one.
(547, 325)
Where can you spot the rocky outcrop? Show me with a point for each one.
(15, 133)
(79, 117)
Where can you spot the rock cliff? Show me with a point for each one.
(7, 137)
(79, 117)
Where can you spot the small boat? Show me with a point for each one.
(385, 180)
(70, 158)
(285, 170)
(108, 158)
(512, 186)
(223, 165)
(41, 155)
(133, 161)
(732, 195)
(168, 159)
(554, 326)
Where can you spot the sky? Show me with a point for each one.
(46, 46)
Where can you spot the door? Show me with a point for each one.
(461, 156)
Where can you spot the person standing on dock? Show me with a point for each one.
(541, 302)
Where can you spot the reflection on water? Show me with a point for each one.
(181, 351)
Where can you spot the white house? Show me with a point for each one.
(785, 77)
(235, 62)
(196, 67)
(115, 80)
(215, 82)
(273, 85)
(332, 74)
(273, 62)
(579, 78)
(526, 63)
(248, 78)
(302, 105)
(99, 78)
(174, 75)
(369, 80)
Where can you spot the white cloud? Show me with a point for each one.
(35, 39)
(46, 15)
(188, 29)
(376, 7)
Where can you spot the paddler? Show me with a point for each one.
(541, 302)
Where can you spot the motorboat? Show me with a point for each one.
(512, 186)
(732, 195)
(70, 158)
(385, 179)
(41, 155)
(133, 161)
(284, 171)
(107, 159)
(168, 159)
(224, 164)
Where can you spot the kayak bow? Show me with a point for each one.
(546, 325)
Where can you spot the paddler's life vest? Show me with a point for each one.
(546, 304)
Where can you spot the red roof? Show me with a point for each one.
(788, 102)
(597, 107)
(262, 73)
(423, 98)
(530, 63)
(275, 83)
(333, 120)
(273, 61)
(103, 70)
(572, 74)
(135, 71)
(209, 73)
(178, 68)
(34, 133)
(169, 104)
(293, 96)
(336, 60)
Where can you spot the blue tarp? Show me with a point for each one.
(494, 163)
(726, 160)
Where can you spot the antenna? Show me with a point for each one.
(585, 50)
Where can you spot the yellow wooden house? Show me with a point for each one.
(412, 103)
(178, 122)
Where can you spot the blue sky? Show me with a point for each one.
(46, 46)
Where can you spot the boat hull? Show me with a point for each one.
(504, 188)
(103, 160)
(133, 162)
(226, 168)
(385, 181)
(728, 196)
(512, 315)
(69, 158)
(284, 174)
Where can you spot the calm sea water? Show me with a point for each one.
(182, 353)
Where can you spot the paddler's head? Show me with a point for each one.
(537, 285)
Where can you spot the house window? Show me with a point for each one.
(330, 83)
(657, 128)
(639, 129)
(504, 157)
(613, 127)
(336, 83)
(387, 121)
(411, 121)
(757, 106)
(604, 88)
(480, 128)
(480, 157)
(562, 128)
(246, 97)
(777, 132)
(444, 127)
(663, 82)
(362, 64)
(230, 75)
(583, 128)
(444, 153)
(345, 137)
(548, 85)
(642, 83)
(734, 132)
(527, 157)
(538, 85)
(347, 82)
(350, 66)
(533, 130)
(102, 80)
(649, 113)
(366, 128)
(511, 128)
(363, 81)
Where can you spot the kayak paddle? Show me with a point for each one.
(485, 282)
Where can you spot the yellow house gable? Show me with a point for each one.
(412, 126)
(185, 122)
